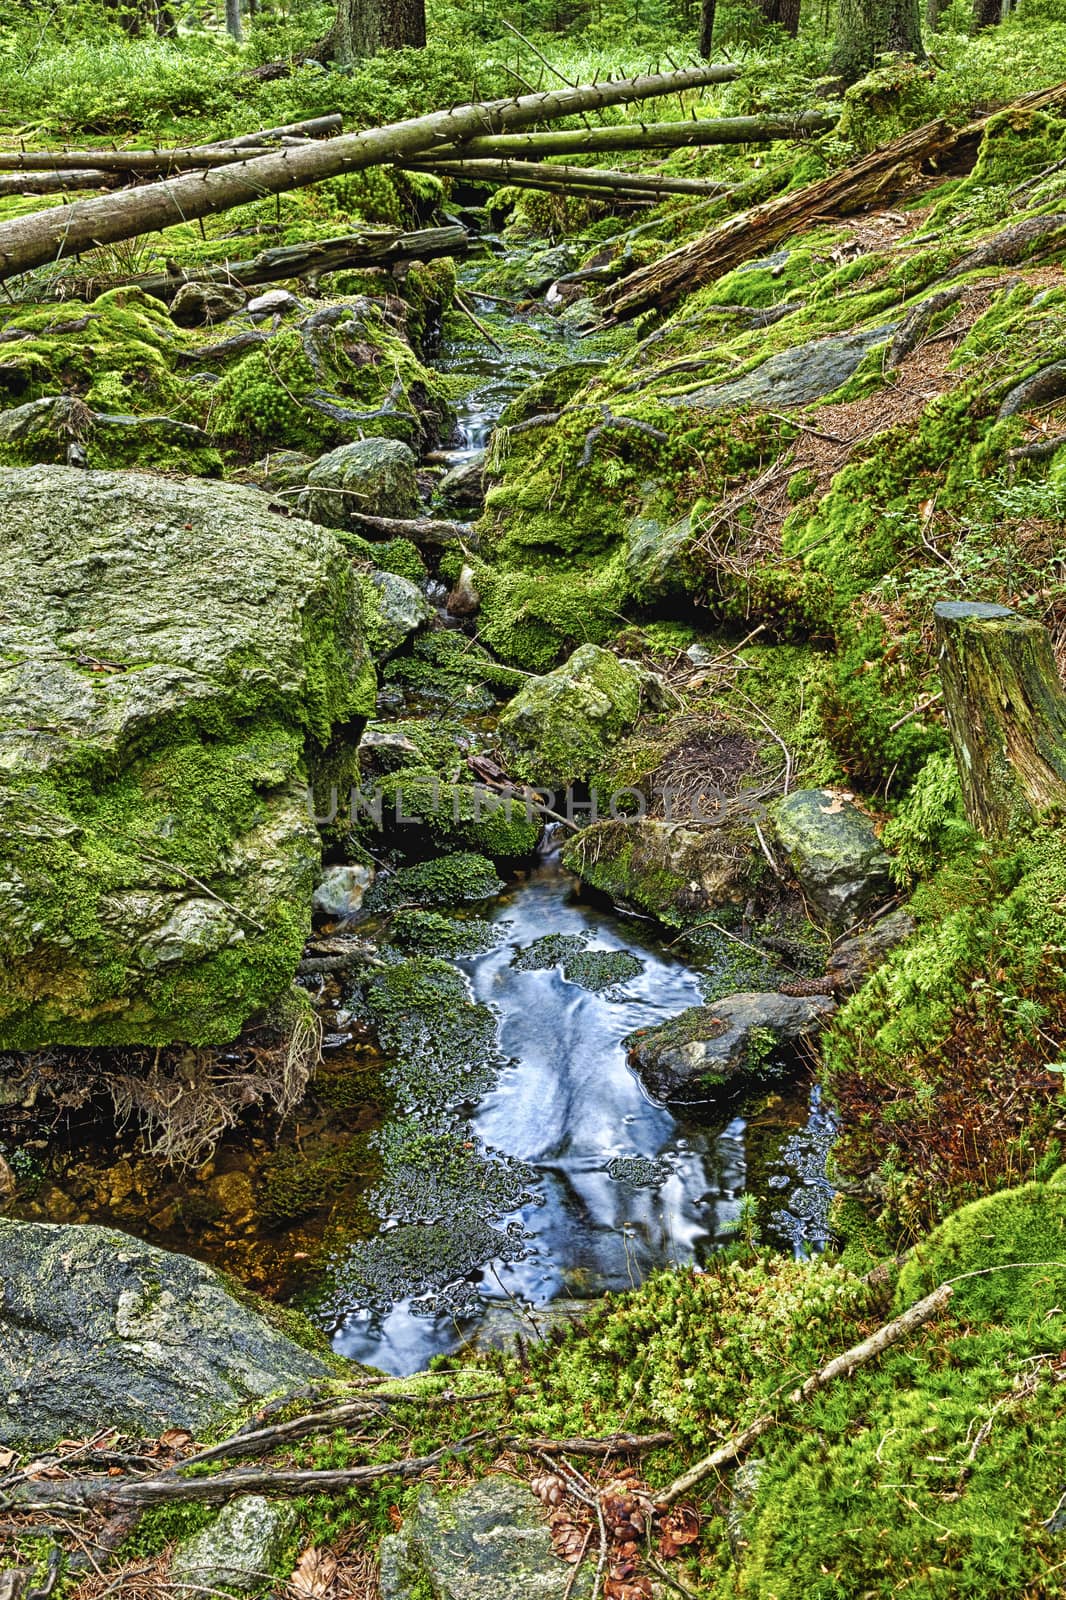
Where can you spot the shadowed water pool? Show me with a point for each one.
(609, 1186)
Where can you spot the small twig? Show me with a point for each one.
(568, 1591)
(471, 316)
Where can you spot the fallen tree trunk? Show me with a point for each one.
(370, 249)
(48, 236)
(325, 127)
(644, 136)
(56, 182)
(127, 161)
(1006, 713)
(420, 530)
(876, 176)
(758, 230)
(539, 175)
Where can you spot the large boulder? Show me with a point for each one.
(675, 873)
(796, 377)
(486, 1542)
(173, 658)
(375, 476)
(98, 1330)
(709, 1051)
(835, 853)
(560, 729)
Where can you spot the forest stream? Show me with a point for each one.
(558, 1180)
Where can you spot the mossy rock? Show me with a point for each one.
(175, 658)
(560, 728)
(675, 873)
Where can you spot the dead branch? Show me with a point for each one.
(617, 424)
(917, 324)
(420, 530)
(1039, 389)
(840, 1367)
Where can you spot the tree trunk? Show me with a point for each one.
(541, 174)
(707, 11)
(363, 27)
(663, 282)
(640, 136)
(52, 235)
(986, 13)
(785, 13)
(1006, 713)
(233, 20)
(867, 29)
(934, 10)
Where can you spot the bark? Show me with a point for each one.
(363, 27)
(785, 13)
(420, 530)
(223, 153)
(841, 1367)
(1014, 243)
(760, 229)
(1039, 389)
(986, 13)
(233, 20)
(56, 182)
(867, 29)
(537, 174)
(48, 236)
(1006, 714)
(642, 136)
(707, 13)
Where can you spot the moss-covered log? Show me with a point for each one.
(1006, 712)
(642, 136)
(542, 175)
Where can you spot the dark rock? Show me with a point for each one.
(853, 959)
(98, 1330)
(795, 377)
(711, 1050)
(674, 872)
(197, 305)
(488, 1542)
(463, 488)
(835, 853)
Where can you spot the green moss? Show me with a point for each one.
(447, 881)
(429, 933)
(445, 666)
(559, 728)
(454, 816)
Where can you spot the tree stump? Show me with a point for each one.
(1006, 713)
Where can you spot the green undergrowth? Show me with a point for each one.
(947, 1064)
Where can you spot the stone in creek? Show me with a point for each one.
(340, 890)
(99, 1330)
(709, 1051)
(174, 658)
(835, 853)
(241, 1547)
(197, 305)
(402, 609)
(561, 728)
(375, 476)
(276, 302)
(464, 600)
(676, 873)
(484, 1543)
(463, 488)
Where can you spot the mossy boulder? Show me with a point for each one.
(673, 872)
(174, 660)
(394, 608)
(560, 728)
(738, 1042)
(835, 854)
(62, 429)
(100, 1330)
(376, 476)
(796, 377)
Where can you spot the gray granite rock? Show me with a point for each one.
(173, 656)
(197, 305)
(795, 377)
(488, 1542)
(835, 853)
(238, 1551)
(375, 476)
(99, 1330)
